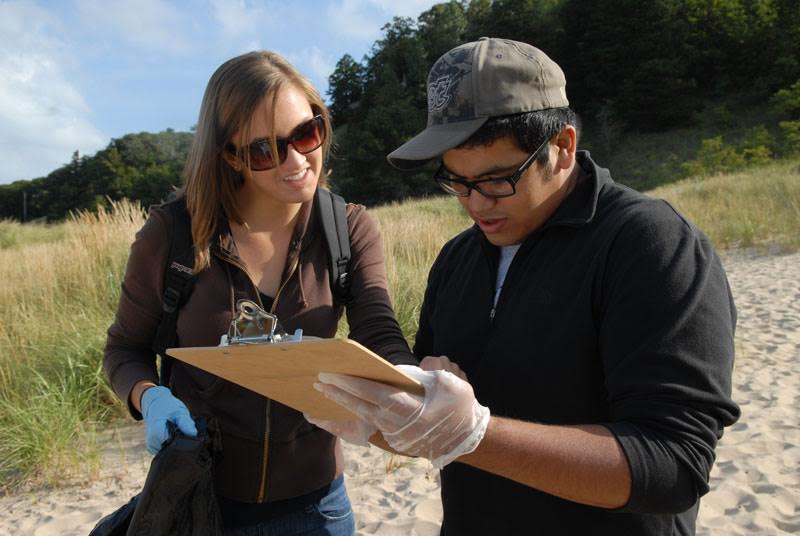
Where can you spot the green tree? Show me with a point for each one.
(627, 58)
(143, 167)
(345, 88)
(786, 107)
(537, 22)
(442, 28)
(477, 13)
(732, 45)
(391, 110)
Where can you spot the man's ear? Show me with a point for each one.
(567, 144)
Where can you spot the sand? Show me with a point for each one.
(755, 481)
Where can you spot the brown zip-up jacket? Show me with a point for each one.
(269, 451)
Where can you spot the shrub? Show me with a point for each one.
(790, 138)
(715, 156)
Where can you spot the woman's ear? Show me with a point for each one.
(232, 161)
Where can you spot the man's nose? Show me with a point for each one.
(476, 202)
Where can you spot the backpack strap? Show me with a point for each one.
(178, 282)
(332, 211)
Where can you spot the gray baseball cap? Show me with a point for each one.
(475, 81)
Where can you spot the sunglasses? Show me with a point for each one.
(306, 137)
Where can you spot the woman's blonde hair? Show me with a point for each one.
(232, 96)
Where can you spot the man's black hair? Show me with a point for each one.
(527, 129)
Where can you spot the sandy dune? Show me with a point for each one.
(756, 479)
(755, 482)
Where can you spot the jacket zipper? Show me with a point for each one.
(492, 284)
(262, 488)
(265, 453)
(288, 277)
(495, 305)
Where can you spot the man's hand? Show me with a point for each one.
(442, 362)
(159, 406)
(446, 423)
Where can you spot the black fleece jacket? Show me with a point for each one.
(615, 312)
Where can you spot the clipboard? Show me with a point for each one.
(286, 371)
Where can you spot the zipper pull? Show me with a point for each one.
(492, 312)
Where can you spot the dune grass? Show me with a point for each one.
(756, 208)
(58, 296)
(56, 302)
(413, 233)
(13, 234)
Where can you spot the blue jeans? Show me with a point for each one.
(330, 516)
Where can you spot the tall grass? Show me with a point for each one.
(413, 233)
(56, 301)
(758, 207)
(13, 234)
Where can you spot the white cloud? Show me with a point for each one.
(43, 117)
(363, 19)
(238, 18)
(313, 64)
(243, 25)
(348, 19)
(240, 24)
(148, 24)
(407, 8)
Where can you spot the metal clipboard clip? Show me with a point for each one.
(254, 325)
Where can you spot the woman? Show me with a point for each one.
(252, 172)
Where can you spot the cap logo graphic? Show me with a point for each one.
(438, 93)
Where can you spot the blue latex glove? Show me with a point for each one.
(159, 406)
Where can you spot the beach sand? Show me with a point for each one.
(755, 483)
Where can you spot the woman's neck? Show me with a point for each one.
(263, 214)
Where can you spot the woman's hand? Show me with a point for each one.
(159, 407)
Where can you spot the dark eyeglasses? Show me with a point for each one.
(306, 137)
(493, 188)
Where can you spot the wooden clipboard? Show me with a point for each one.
(287, 371)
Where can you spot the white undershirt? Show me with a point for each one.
(506, 256)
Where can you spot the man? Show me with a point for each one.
(594, 324)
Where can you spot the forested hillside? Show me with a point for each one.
(143, 167)
(665, 88)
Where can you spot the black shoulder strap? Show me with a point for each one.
(333, 215)
(178, 282)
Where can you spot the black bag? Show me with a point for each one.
(116, 523)
(178, 496)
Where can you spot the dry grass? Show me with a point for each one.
(758, 207)
(413, 233)
(56, 302)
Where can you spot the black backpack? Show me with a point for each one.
(179, 276)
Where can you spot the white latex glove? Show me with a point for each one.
(355, 431)
(446, 423)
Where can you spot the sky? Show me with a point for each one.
(76, 73)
